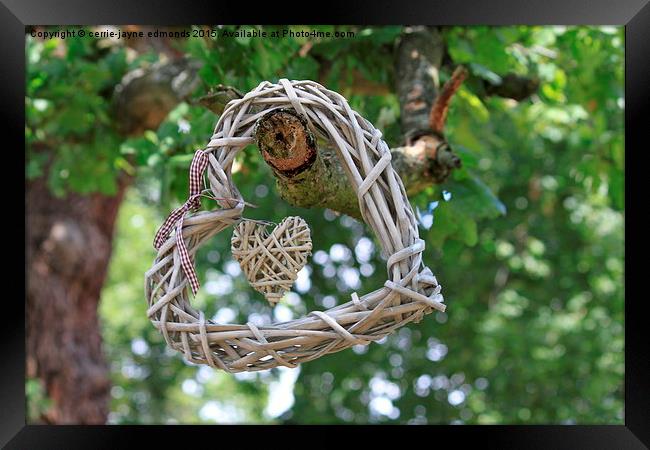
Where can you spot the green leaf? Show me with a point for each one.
(472, 196)
(468, 232)
(181, 160)
(484, 72)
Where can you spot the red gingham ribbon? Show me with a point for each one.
(197, 167)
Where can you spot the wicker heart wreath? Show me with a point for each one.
(410, 292)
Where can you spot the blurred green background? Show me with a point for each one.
(528, 249)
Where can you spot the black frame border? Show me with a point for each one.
(634, 14)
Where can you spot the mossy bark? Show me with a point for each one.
(310, 177)
(305, 175)
(417, 63)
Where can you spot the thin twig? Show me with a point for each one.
(438, 115)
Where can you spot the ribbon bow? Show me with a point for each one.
(193, 203)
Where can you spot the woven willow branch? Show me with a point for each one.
(410, 292)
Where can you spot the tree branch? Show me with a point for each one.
(143, 98)
(516, 87)
(438, 115)
(417, 64)
(218, 97)
(512, 86)
(310, 177)
(307, 176)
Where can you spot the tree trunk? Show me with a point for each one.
(68, 250)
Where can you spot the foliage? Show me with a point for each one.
(529, 249)
(67, 108)
(39, 402)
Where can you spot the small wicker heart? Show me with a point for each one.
(271, 262)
